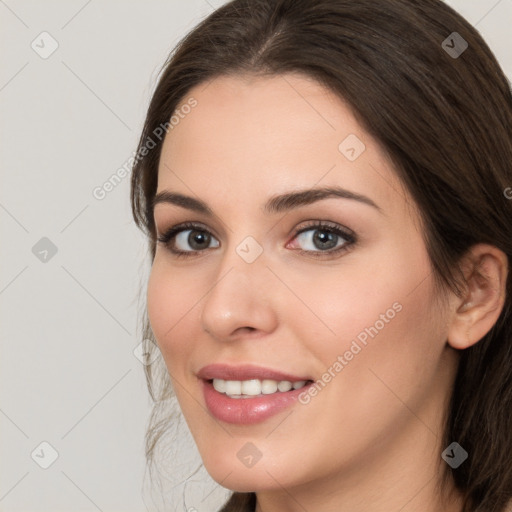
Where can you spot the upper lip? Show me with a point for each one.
(245, 372)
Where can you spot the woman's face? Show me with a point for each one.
(349, 304)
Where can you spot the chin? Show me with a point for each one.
(235, 476)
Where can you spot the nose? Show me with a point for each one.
(240, 300)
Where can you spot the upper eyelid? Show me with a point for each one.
(312, 225)
(183, 226)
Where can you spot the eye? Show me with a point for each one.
(187, 239)
(318, 238)
(324, 238)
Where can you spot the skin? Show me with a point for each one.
(371, 438)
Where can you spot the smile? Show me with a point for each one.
(255, 387)
(266, 391)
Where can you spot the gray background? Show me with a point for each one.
(69, 320)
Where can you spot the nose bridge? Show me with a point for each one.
(244, 258)
(240, 295)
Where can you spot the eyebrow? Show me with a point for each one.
(276, 204)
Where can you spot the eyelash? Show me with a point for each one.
(330, 227)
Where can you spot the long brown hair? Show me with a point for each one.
(445, 120)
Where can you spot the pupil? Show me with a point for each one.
(325, 237)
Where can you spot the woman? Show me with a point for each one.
(330, 236)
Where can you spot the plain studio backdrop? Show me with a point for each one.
(75, 82)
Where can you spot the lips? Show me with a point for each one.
(246, 372)
(257, 408)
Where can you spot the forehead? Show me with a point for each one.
(267, 116)
(266, 135)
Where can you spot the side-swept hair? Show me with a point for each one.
(445, 121)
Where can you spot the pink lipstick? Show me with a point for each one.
(249, 394)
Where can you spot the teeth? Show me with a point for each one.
(251, 387)
(284, 385)
(233, 387)
(254, 387)
(219, 385)
(268, 386)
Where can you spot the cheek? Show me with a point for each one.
(170, 306)
(376, 313)
(352, 301)
(158, 306)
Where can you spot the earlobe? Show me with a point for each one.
(485, 269)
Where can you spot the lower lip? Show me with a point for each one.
(247, 411)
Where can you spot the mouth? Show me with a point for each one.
(249, 394)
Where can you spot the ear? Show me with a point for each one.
(485, 269)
